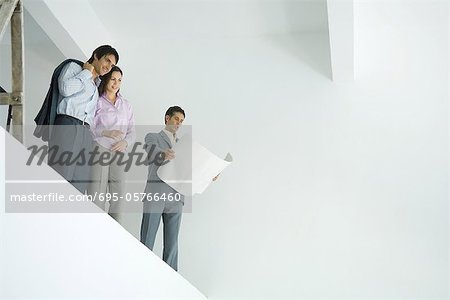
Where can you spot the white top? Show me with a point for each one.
(172, 137)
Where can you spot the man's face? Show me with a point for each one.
(104, 64)
(174, 122)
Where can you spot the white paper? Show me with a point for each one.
(193, 168)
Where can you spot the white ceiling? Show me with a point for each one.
(207, 18)
(111, 21)
(197, 18)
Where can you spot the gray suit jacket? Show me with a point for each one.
(159, 142)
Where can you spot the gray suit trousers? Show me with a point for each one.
(70, 138)
(170, 212)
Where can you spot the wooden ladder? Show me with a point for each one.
(12, 11)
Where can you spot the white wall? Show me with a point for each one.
(337, 190)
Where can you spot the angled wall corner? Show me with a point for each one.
(341, 32)
(75, 38)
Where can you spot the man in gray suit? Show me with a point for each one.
(159, 147)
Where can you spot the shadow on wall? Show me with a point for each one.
(307, 35)
(311, 49)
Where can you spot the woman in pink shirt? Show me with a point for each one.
(113, 131)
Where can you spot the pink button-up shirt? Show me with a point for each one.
(113, 117)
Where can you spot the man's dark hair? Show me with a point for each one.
(172, 110)
(102, 51)
(105, 79)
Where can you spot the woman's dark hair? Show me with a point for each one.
(102, 51)
(105, 79)
(172, 110)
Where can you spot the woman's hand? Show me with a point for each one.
(119, 146)
(113, 134)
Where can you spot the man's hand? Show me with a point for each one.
(215, 178)
(113, 134)
(89, 67)
(169, 154)
(119, 146)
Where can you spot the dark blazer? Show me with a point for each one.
(47, 113)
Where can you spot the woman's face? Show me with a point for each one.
(114, 82)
